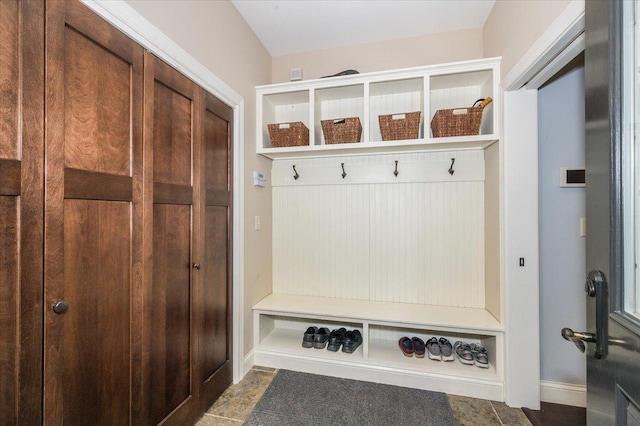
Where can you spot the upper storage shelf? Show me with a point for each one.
(369, 96)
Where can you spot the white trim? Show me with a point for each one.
(248, 364)
(563, 393)
(568, 26)
(563, 58)
(130, 22)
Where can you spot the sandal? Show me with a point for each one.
(406, 347)
(446, 351)
(433, 349)
(418, 347)
(463, 352)
(480, 357)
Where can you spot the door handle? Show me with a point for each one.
(597, 287)
(60, 307)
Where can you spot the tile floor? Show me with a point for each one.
(236, 403)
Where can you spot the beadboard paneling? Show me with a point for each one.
(412, 242)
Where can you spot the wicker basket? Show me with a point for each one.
(458, 121)
(395, 127)
(346, 130)
(288, 134)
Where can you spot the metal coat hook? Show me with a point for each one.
(451, 171)
(296, 176)
(344, 174)
(396, 170)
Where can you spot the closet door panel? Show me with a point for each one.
(9, 285)
(10, 71)
(215, 334)
(96, 333)
(171, 229)
(215, 287)
(21, 210)
(170, 345)
(93, 220)
(97, 107)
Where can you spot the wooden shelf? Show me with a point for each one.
(444, 318)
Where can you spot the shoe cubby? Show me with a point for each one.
(370, 95)
(284, 333)
(383, 347)
(280, 321)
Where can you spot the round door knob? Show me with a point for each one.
(60, 307)
(197, 266)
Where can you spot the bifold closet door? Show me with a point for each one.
(21, 210)
(93, 220)
(172, 146)
(214, 289)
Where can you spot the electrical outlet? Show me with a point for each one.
(256, 223)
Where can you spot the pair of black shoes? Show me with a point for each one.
(320, 338)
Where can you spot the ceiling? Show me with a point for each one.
(293, 26)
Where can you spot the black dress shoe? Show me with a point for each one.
(351, 341)
(335, 339)
(321, 339)
(309, 337)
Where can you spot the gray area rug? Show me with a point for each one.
(297, 399)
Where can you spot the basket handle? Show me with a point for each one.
(483, 102)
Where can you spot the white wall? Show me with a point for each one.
(561, 143)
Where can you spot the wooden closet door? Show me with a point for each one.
(93, 188)
(21, 210)
(214, 290)
(171, 227)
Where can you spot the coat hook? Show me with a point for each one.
(296, 176)
(451, 171)
(396, 171)
(344, 174)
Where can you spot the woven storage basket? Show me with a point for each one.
(347, 130)
(288, 134)
(400, 126)
(458, 121)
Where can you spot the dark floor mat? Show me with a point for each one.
(295, 398)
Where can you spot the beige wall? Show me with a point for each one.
(514, 26)
(384, 55)
(214, 33)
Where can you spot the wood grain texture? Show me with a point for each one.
(95, 342)
(97, 107)
(215, 329)
(216, 150)
(171, 309)
(82, 184)
(164, 193)
(9, 302)
(10, 53)
(171, 136)
(10, 179)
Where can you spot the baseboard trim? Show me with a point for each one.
(247, 364)
(563, 393)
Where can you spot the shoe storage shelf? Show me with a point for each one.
(367, 96)
(281, 319)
